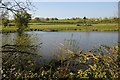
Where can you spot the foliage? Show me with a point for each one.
(37, 19)
(54, 18)
(5, 22)
(47, 19)
(21, 20)
(84, 18)
(80, 20)
(76, 66)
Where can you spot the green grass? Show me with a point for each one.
(66, 27)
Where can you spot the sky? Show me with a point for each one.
(72, 0)
(75, 9)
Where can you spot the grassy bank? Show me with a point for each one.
(66, 27)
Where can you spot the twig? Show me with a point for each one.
(7, 51)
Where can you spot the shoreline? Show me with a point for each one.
(65, 28)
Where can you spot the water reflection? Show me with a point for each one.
(23, 43)
(47, 44)
(20, 51)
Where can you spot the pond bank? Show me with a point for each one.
(66, 28)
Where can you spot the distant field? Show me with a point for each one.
(66, 27)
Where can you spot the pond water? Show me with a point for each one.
(50, 43)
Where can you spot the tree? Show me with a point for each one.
(37, 19)
(14, 5)
(73, 18)
(55, 18)
(22, 19)
(84, 18)
(19, 9)
(5, 22)
(47, 19)
(52, 19)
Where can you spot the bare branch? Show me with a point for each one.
(15, 6)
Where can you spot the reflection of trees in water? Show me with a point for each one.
(23, 43)
(19, 58)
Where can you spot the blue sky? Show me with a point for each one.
(75, 9)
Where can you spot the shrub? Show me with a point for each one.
(70, 65)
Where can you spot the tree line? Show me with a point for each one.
(6, 21)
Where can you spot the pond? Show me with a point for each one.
(50, 43)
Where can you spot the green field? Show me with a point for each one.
(65, 27)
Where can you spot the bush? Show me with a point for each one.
(78, 25)
(11, 24)
(74, 66)
(5, 22)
